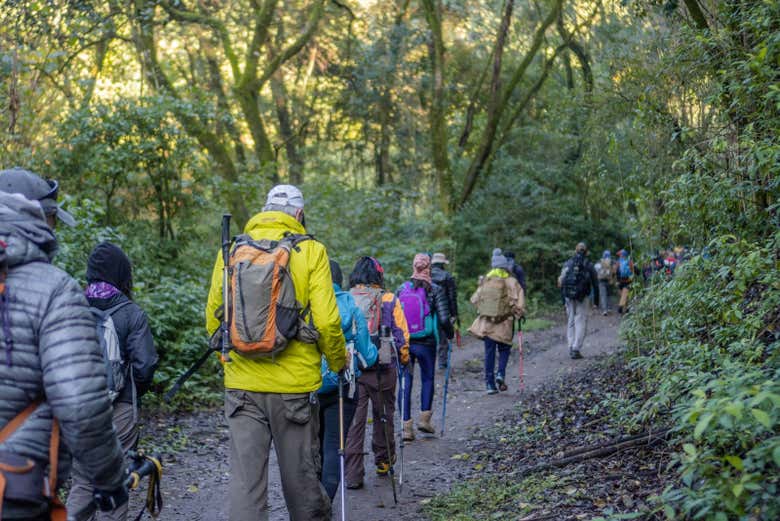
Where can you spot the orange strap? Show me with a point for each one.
(54, 449)
(2, 493)
(14, 424)
(57, 512)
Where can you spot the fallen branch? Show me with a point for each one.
(612, 442)
(598, 451)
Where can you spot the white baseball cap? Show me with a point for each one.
(285, 195)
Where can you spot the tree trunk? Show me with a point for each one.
(147, 53)
(294, 159)
(437, 113)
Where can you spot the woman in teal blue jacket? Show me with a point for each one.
(364, 354)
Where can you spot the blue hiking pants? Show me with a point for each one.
(490, 359)
(426, 356)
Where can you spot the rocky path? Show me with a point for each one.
(196, 476)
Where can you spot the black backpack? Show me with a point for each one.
(576, 281)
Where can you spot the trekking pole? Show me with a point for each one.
(520, 347)
(401, 437)
(225, 352)
(446, 386)
(386, 430)
(402, 387)
(186, 376)
(341, 450)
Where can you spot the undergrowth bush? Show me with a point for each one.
(707, 342)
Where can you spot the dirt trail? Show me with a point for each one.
(196, 477)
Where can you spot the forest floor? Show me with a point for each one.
(196, 445)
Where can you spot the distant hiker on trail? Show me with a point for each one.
(670, 264)
(624, 271)
(606, 274)
(444, 278)
(577, 279)
(272, 397)
(381, 308)
(427, 311)
(355, 328)
(54, 401)
(499, 300)
(516, 271)
(109, 293)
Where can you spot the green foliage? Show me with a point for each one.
(488, 498)
(385, 223)
(133, 156)
(708, 347)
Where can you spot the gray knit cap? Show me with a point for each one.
(499, 261)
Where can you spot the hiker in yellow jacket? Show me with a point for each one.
(499, 300)
(274, 398)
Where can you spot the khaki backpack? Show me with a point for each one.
(264, 314)
(493, 301)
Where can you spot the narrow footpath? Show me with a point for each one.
(196, 473)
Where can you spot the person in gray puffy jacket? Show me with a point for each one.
(49, 352)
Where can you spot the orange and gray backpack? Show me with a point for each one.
(264, 314)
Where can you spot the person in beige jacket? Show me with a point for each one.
(499, 300)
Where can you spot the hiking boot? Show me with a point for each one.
(382, 468)
(491, 389)
(424, 423)
(575, 354)
(354, 485)
(408, 430)
(501, 383)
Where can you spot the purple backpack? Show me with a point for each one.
(417, 311)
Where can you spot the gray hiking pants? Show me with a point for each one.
(577, 324)
(81, 490)
(291, 421)
(604, 295)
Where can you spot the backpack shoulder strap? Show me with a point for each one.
(110, 311)
(18, 420)
(294, 239)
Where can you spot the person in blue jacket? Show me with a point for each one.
(362, 354)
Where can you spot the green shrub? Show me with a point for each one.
(707, 342)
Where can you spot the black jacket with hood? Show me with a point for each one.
(445, 279)
(108, 263)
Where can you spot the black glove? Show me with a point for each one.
(107, 500)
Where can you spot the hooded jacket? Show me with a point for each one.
(51, 352)
(135, 341)
(296, 369)
(108, 263)
(447, 282)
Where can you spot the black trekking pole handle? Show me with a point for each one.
(225, 286)
(149, 465)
